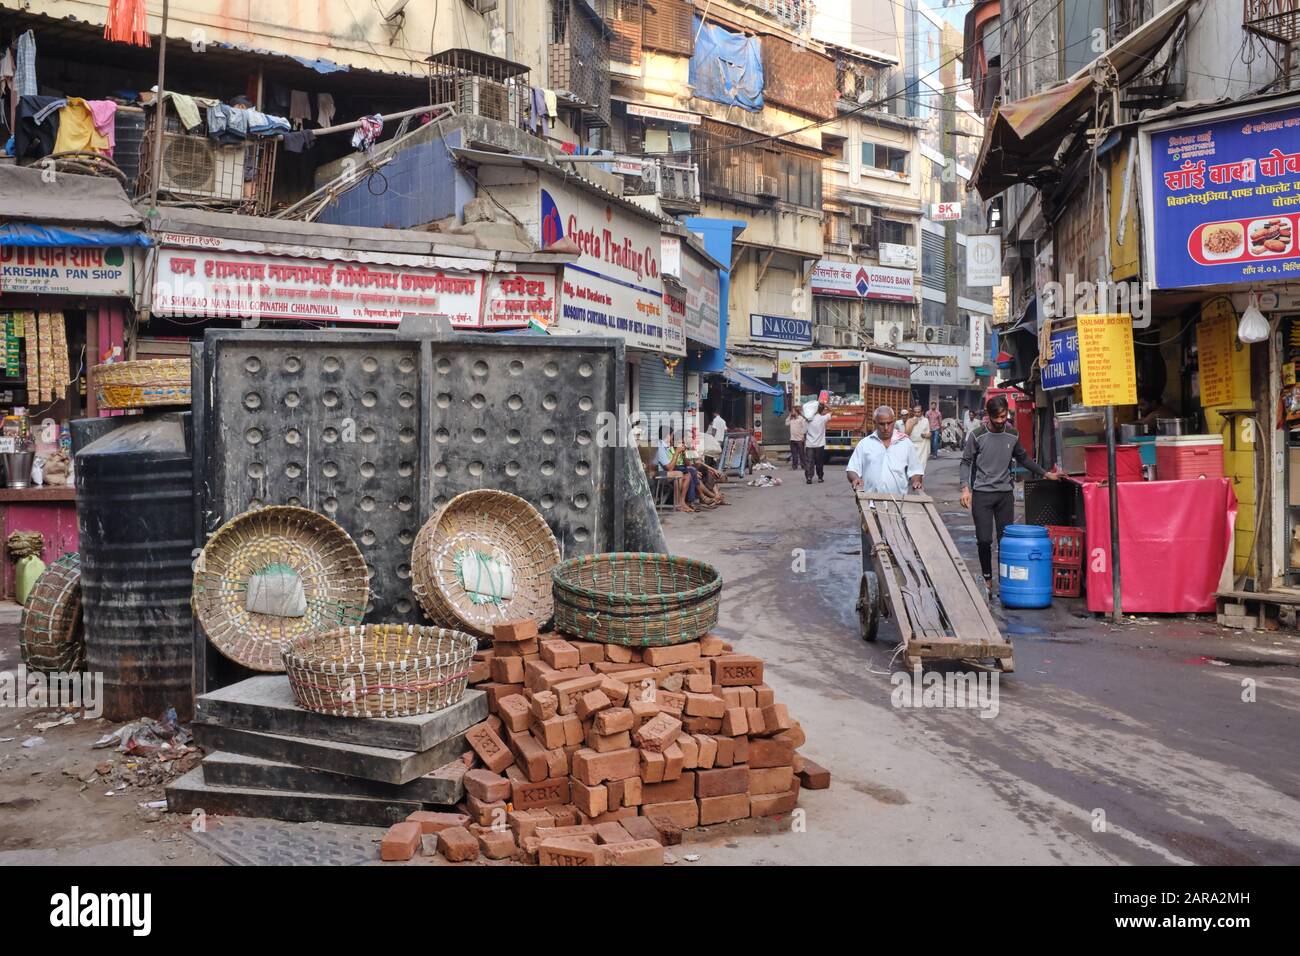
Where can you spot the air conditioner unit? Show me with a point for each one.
(861, 215)
(928, 333)
(942, 335)
(766, 186)
(194, 166)
(479, 96)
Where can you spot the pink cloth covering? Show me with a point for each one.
(104, 115)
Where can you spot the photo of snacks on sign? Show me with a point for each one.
(1224, 197)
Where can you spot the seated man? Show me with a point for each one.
(665, 467)
(885, 462)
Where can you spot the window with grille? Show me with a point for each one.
(899, 233)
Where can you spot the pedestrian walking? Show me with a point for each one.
(986, 482)
(718, 427)
(935, 418)
(798, 428)
(885, 462)
(917, 429)
(814, 444)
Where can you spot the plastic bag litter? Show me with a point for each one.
(147, 735)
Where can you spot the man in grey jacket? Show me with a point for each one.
(986, 483)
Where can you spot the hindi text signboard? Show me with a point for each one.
(1106, 364)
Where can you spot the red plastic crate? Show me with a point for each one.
(1067, 580)
(1067, 544)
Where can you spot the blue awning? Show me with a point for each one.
(34, 234)
(748, 383)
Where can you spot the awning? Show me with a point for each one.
(1021, 137)
(65, 199)
(738, 379)
(30, 234)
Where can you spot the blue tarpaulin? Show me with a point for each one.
(727, 67)
(738, 379)
(34, 234)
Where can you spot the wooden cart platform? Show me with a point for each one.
(913, 571)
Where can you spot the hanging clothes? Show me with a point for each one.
(260, 124)
(77, 131)
(552, 113)
(324, 109)
(187, 110)
(537, 108)
(226, 124)
(368, 132)
(25, 65)
(37, 126)
(299, 106)
(300, 141)
(7, 70)
(104, 113)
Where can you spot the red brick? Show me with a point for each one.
(634, 853)
(490, 748)
(633, 792)
(635, 676)
(717, 783)
(514, 712)
(572, 730)
(671, 654)
(545, 705)
(776, 718)
(708, 751)
(522, 649)
(769, 753)
(560, 654)
(681, 788)
(487, 786)
(671, 702)
(552, 679)
(479, 671)
(772, 804)
(699, 683)
(652, 766)
(733, 806)
(512, 632)
(690, 751)
(401, 842)
(553, 792)
(726, 754)
(531, 756)
(591, 702)
(604, 743)
(570, 691)
(615, 690)
(593, 768)
(764, 695)
(674, 761)
(524, 823)
(617, 667)
(797, 762)
(757, 725)
(557, 762)
(640, 828)
(794, 736)
(508, 670)
(568, 852)
(565, 816)
(673, 683)
(589, 652)
(572, 831)
(497, 691)
(593, 801)
(734, 722)
(536, 674)
(703, 725)
(658, 733)
(681, 813)
(618, 654)
(483, 813)
(748, 696)
(616, 815)
(710, 646)
(740, 749)
(643, 710)
(611, 831)
(814, 776)
(496, 844)
(549, 733)
(770, 780)
(431, 821)
(457, 845)
(613, 720)
(733, 669)
(731, 697)
(678, 673)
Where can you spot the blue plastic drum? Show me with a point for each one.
(1025, 566)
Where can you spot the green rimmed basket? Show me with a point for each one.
(636, 599)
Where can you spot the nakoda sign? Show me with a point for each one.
(780, 330)
(614, 288)
(852, 281)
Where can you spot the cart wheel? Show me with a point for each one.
(869, 606)
(1006, 665)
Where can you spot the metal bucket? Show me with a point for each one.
(18, 468)
(1176, 426)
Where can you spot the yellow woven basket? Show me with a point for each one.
(148, 383)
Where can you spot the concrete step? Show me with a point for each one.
(443, 787)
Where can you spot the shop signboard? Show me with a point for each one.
(66, 270)
(674, 324)
(1223, 192)
(1062, 370)
(214, 283)
(1216, 337)
(983, 261)
(780, 330)
(614, 288)
(513, 299)
(703, 300)
(939, 364)
(1106, 364)
(894, 254)
(944, 211)
(853, 281)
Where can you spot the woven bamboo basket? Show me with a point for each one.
(379, 670)
(636, 599)
(506, 529)
(50, 635)
(289, 540)
(143, 384)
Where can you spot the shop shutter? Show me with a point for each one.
(660, 392)
(667, 26)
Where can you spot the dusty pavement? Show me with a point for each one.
(1144, 723)
(1141, 727)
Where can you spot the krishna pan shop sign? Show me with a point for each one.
(202, 283)
(66, 270)
(1224, 195)
(852, 281)
(614, 288)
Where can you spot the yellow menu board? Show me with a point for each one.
(1216, 335)
(1106, 365)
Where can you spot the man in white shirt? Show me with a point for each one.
(885, 462)
(718, 427)
(814, 444)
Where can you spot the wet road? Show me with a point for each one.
(1129, 744)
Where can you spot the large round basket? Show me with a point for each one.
(379, 670)
(143, 384)
(498, 533)
(312, 554)
(640, 600)
(50, 635)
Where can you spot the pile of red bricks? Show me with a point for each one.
(598, 754)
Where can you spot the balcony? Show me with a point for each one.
(676, 184)
(478, 84)
(577, 56)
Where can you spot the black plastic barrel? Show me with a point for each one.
(135, 510)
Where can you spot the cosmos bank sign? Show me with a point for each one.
(604, 233)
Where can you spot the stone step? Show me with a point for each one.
(443, 787)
